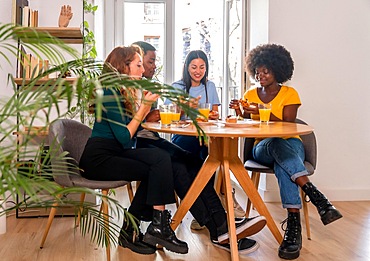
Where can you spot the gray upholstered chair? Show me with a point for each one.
(70, 136)
(310, 147)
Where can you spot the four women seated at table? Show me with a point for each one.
(111, 154)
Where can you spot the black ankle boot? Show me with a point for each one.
(292, 242)
(159, 232)
(327, 211)
(133, 239)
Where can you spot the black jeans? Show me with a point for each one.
(191, 144)
(185, 167)
(105, 159)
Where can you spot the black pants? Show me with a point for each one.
(105, 159)
(186, 166)
(191, 144)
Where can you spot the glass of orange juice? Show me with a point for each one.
(165, 115)
(204, 109)
(176, 113)
(265, 112)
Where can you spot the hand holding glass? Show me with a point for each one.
(265, 112)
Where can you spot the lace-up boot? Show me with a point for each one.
(160, 232)
(132, 239)
(292, 242)
(327, 211)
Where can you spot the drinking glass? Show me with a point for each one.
(265, 112)
(176, 113)
(165, 115)
(204, 109)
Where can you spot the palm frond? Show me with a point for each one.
(40, 101)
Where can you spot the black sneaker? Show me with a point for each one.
(134, 242)
(244, 228)
(245, 246)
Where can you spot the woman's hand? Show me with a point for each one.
(153, 116)
(213, 115)
(251, 109)
(149, 98)
(234, 104)
(194, 102)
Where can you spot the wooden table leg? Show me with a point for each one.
(230, 151)
(200, 181)
(229, 201)
(243, 178)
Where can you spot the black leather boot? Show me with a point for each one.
(159, 232)
(133, 239)
(327, 211)
(292, 242)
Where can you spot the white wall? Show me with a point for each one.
(330, 44)
(5, 17)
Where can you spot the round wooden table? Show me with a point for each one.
(223, 152)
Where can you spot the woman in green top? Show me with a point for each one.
(111, 154)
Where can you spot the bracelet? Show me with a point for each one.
(137, 119)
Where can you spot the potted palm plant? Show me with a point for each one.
(52, 99)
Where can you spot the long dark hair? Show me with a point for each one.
(195, 54)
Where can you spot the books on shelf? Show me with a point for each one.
(23, 15)
(26, 16)
(17, 10)
(30, 17)
(33, 66)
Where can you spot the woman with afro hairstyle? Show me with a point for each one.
(271, 65)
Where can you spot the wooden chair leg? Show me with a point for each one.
(104, 207)
(306, 217)
(53, 211)
(255, 177)
(82, 199)
(130, 192)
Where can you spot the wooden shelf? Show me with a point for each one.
(20, 81)
(37, 135)
(71, 35)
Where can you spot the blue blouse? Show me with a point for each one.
(200, 90)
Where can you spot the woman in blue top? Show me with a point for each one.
(201, 90)
(111, 154)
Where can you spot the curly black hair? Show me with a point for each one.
(274, 57)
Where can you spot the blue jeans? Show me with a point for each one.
(286, 158)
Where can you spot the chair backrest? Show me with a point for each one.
(67, 137)
(309, 143)
(310, 146)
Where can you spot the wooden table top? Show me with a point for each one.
(251, 129)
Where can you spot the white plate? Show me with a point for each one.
(242, 124)
(207, 123)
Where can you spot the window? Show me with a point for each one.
(176, 27)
